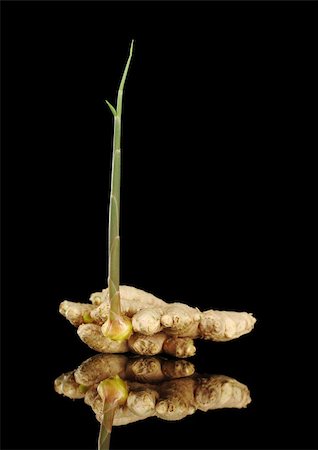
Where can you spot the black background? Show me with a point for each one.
(215, 203)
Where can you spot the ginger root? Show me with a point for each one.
(157, 326)
(167, 389)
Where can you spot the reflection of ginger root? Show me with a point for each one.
(136, 369)
(170, 390)
(66, 384)
(157, 326)
(176, 399)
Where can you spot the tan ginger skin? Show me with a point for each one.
(157, 326)
(170, 390)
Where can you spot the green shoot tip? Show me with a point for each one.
(113, 110)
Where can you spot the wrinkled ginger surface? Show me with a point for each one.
(167, 389)
(157, 326)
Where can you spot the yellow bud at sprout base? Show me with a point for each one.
(118, 329)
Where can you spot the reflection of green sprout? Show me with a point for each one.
(114, 393)
(118, 327)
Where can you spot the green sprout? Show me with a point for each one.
(118, 327)
(114, 390)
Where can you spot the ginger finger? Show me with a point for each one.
(180, 347)
(142, 402)
(66, 385)
(91, 395)
(144, 369)
(96, 298)
(147, 321)
(176, 399)
(177, 369)
(94, 400)
(92, 335)
(180, 319)
(220, 391)
(123, 416)
(100, 314)
(225, 325)
(99, 367)
(76, 313)
(146, 345)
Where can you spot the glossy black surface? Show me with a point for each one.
(216, 182)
